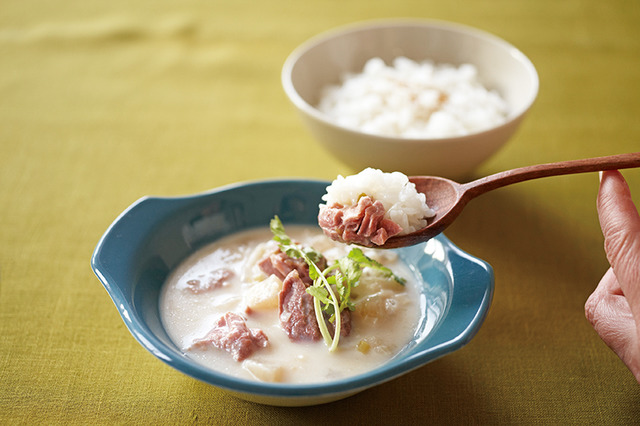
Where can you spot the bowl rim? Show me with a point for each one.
(292, 391)
(329, 34)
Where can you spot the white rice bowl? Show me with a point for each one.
(402, 202)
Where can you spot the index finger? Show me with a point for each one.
(620, 225)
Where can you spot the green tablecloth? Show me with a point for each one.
(104, 102)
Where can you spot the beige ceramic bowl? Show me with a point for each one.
(324, 59)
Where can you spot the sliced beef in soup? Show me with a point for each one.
(280, 265)
(231, 334)
(297, 313)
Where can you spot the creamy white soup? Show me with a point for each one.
(223, 289)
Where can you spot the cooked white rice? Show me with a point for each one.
(414, 100)
(403, 204)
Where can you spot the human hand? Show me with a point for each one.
(614, 307)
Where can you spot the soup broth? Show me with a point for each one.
(226, 277)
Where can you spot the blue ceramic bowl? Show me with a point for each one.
(150, 238)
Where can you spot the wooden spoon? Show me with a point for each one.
(448, 198)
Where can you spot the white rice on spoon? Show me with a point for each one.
(403, 203)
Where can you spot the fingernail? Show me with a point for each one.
(600, 175)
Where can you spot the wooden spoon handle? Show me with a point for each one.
(498, 180)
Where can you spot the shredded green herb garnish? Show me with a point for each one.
(340, 277)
